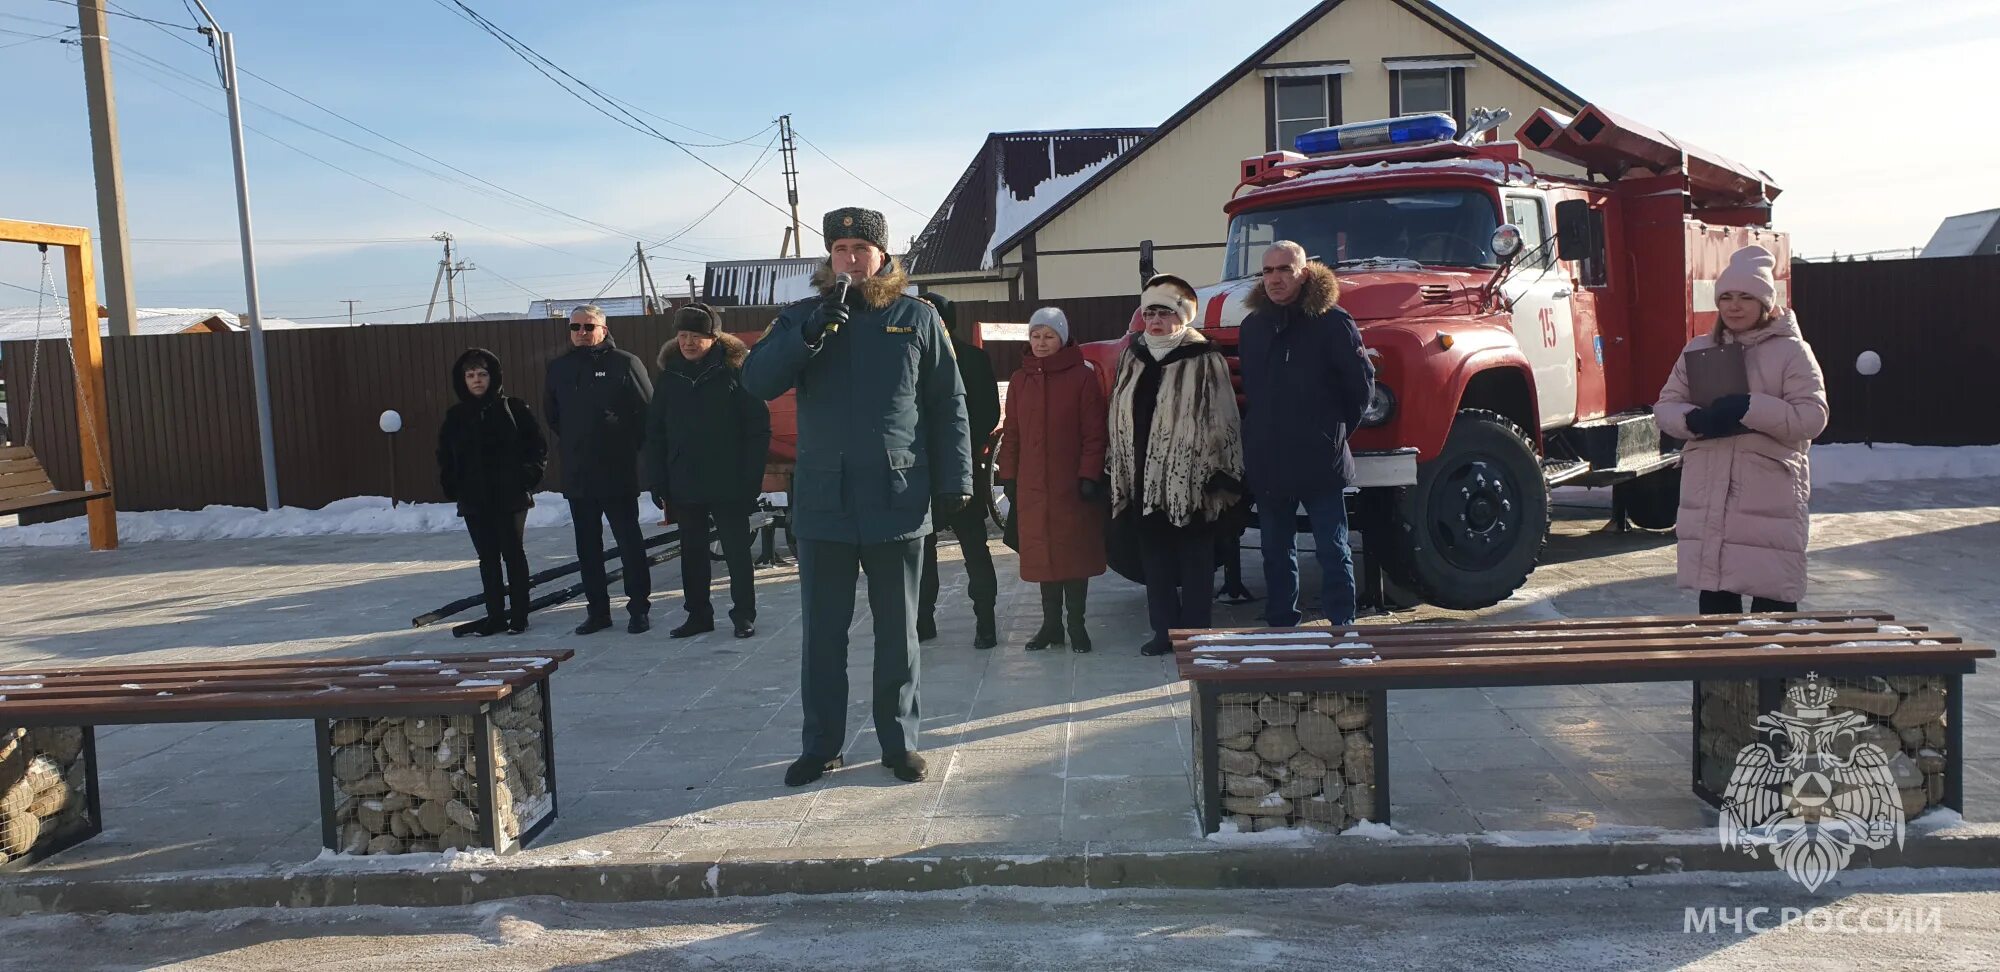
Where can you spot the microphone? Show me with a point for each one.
(841, 281)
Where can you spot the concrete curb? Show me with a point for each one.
(653, 877)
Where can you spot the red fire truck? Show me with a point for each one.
(1521, 322)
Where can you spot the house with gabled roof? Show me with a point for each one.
(1343, 61)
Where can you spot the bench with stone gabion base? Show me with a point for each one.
(414, 755)
(1291, 724)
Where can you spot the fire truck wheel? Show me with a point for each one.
(1468, 533)
(1651, 502)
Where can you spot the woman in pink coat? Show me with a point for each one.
(1745, 478)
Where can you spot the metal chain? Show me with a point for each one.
(35, 370)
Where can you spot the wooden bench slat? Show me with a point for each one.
(11, 475)
(1657, 620)
(23, 504)
(361, 663)
(225, 678)
(1282, 659)
(21, 464)
(16, 452)
(1549, 636)
(10, 691)
(30, 487)
(1609, 664)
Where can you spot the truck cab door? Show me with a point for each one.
(1538, 292)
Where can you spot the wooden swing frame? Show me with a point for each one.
(87, 351)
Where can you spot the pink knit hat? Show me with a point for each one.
(1750, 272)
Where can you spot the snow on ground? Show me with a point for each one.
(355, 515)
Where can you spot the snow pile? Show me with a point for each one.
(1229, 834)
(1856, 463)
(355, 515)
(1361, 661)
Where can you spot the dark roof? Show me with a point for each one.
(1424, 10)
(958, 234)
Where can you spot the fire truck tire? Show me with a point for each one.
(1469, 532)
(1651, 502)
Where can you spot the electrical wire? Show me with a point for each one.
(756, 164)
(328, 317)
(31, 38)
(630, 262)
(115, 12)
(850, 173)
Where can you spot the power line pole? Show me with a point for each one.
(649, 289)
(790, 151)
(350, 311)
(259, 367)
(115, 250)
(443, 274)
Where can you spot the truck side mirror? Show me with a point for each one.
(1576, 235)
(1146, 271)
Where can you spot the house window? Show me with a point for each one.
(1298, 105)
(1424, 91)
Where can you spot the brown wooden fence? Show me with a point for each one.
(183, 422)
(183, 418)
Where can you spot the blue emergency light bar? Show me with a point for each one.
(1408, 130)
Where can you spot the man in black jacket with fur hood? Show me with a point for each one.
(597, 397)
(706, 439)
(1306, 381)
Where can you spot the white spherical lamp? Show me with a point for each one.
(391, 421)
(1869, 364)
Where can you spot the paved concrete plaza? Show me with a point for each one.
(679, 746)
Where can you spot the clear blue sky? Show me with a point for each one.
(1790, 86)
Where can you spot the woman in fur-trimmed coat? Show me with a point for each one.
(1176, 455)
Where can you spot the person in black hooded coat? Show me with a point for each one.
(491, 455)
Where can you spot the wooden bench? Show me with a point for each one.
(25, 485)
(1276, 709)
(412, 752)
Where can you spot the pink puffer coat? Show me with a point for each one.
(1744, 517)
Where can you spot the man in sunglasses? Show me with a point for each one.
(597, 401)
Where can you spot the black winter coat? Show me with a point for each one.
(596, 405)
(1305, 384)
(706, 438)
(490, 452)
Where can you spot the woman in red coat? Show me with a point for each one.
(1052, 465)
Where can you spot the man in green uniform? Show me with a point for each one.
(882, 438)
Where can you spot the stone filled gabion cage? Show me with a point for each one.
(1288, 759)
(47, 798)
(416, 784)
(1907, 718)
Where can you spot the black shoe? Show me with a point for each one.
(984, 636)
(592, 624)
(908, 767)
(1157, 648)
(640, 624)
(692, 627)
(516, 625)
(746, 629)
(1048, 637)
(484, 627)
(1079, 641)
(808, 768)
(926, 628)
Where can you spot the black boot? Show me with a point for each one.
(984, 633)
(1073, 595)
(926, 627)
(1051, 633)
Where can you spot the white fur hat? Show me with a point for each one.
(1167, 290)
(1052, 318)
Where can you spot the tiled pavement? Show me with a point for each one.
(679, 746)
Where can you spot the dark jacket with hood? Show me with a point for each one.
(706, 438)
(881, 411)
(975, 370)
(596, 405)
(1305, 384)
(490, 451)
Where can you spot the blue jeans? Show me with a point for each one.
(1276, 520)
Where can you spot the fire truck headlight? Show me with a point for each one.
(1381, 405)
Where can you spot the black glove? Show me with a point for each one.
(830, 315)
(659, 500)
(1223, 482)
(948, 504)
(1089, 490)
(1730, 409)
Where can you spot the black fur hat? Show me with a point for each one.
(855, 223)
(699, 318)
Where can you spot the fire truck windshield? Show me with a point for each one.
(1452, 227)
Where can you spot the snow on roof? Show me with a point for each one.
(773, 281)
(24, 323)
(1965, 235)
(1010, 214)
(611, 306)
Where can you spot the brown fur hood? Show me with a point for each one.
(733, 349)
(879, 291)
(1317, 295)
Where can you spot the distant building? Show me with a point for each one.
(753, 282)
(611, 306)
(1972, 233)
(24, 323)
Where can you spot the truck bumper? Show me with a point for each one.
(1394, 467)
